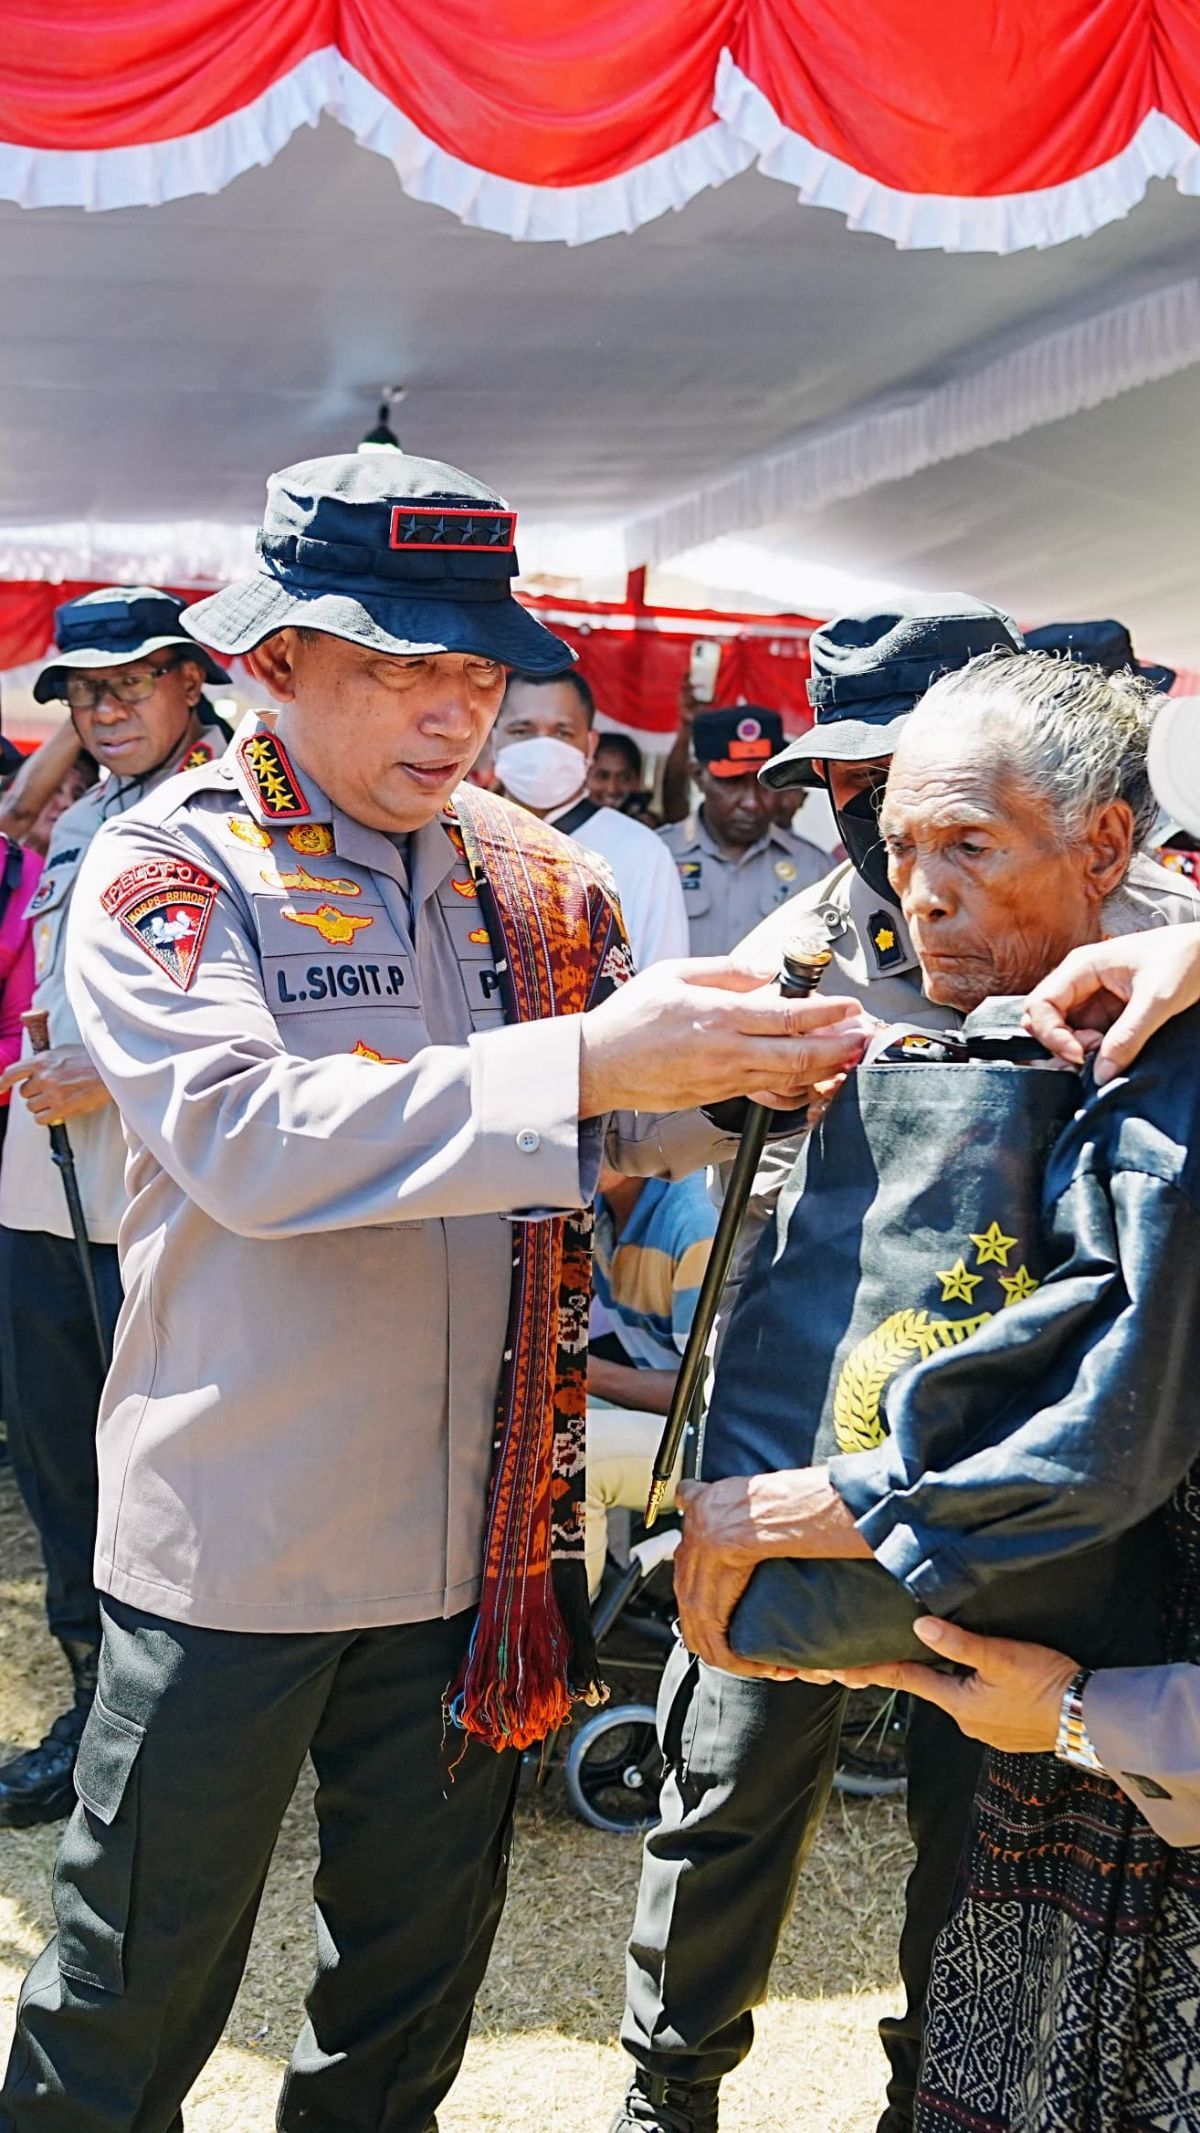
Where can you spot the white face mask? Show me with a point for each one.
(541, 773)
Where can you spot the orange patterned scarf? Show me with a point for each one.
(559, 948)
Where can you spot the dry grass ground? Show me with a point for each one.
(543, 2057)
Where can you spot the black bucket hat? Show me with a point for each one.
(111, 628)
(1107, 645)
(869, 671)
(401, 555)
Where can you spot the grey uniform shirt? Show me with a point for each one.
(724, 893)
(31, 1193)
(328, 1126)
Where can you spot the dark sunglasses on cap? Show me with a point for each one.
(137, 686)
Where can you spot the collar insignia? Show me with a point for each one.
(337, 928)
(315, 840)
(272, 779)
(203, 752)
(881, 927)
(465, 888)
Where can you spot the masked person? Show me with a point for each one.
(543, 744)
(688, 2018)
(735, 861)
(133, 680)
(364, 1024)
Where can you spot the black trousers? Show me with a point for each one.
(187, 1763)
(53, 1376)
(749, 1770)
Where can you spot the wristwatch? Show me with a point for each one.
(1072, 1744)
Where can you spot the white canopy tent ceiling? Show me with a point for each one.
(748, 395)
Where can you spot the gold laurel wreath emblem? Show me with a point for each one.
(875, 1360)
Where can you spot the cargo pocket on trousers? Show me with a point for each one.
(95, 1878)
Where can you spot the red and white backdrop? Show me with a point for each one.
(964, 124)
(634, 657)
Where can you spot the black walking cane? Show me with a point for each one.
(805, 961)
(37, 1022)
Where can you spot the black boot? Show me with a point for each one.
(655, 2104)
(38, 1785)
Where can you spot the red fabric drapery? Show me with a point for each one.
(635, 660)
(1073, 103)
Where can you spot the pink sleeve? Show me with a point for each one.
(16, 964)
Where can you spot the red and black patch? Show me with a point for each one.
(165, 906)
(280, 795)
(454, 528)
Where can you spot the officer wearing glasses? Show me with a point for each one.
(133, 684)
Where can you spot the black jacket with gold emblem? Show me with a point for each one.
(986, 1307)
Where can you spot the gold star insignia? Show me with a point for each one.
(992, 1245)
(1017, 1286)
(885, 939)
(957, 1285)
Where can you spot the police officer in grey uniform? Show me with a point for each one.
(133, 680)
(750, 1762)
(280, 966)
(736, 863)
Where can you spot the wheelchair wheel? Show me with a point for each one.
(614, 1770)
(871, 1756)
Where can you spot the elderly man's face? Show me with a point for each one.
(991, 897)
(388, 738)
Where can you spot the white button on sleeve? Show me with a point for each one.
(528, 1141)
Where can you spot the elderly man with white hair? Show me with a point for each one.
(1016, 801)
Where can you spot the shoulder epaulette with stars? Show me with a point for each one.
(279, 793)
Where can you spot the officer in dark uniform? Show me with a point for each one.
(736, 861)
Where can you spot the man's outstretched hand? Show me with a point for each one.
(702, 1032)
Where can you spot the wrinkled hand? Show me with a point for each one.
(1110, 998)
(1011, 1699)
(701, 1032)
(731, 1526)
(57, 1085)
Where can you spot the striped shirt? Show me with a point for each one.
(647, 1280)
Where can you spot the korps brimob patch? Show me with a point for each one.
(165, 906)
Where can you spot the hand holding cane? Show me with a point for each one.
(805, 961)
(37, 1022)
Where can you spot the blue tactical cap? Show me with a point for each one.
(405, 556)
(111, 628)
(1107, 645)
(869, 671)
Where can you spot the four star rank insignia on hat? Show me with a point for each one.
(474, 530)
(165, 906)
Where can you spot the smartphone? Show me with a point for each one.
(702, 669)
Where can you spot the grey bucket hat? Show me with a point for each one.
(401, 555)
(111, 628)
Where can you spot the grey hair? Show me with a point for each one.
(1071, 732)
